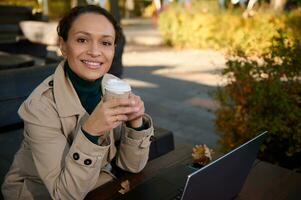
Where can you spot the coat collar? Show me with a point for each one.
(67, 101)
(65, 96)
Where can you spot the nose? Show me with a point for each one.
(94, 50)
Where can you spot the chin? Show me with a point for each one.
(93, 76)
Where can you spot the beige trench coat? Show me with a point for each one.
(56, 160)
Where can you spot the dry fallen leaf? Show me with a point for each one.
(125, 187)
(201, 154)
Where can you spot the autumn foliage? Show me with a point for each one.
(264, 94)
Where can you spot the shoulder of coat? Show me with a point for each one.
(38, 102)
(45, 89)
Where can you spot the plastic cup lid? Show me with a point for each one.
(117, 86)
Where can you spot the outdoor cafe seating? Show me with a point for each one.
(25, 62)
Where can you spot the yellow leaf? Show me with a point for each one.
(125, 187)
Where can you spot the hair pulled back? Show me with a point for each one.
(68, 19)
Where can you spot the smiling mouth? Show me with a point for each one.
(92, 64)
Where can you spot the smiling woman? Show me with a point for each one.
(69, 130)
(89, 48)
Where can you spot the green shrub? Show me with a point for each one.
(264, 94)
(203, 28)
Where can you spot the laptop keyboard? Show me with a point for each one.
(178, 195)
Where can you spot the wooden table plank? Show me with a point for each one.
(110, 190)
(267, 181)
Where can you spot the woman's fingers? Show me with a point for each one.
(140, 109)
(122, 110)
(109, 114)
(116, 120)
(135, 115)
(123, 106)
(119, 118)
(119, 102)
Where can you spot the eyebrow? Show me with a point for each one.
(89, 34)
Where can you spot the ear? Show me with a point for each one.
(63, 48)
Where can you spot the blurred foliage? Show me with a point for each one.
(57, 8)
(205, 27)
(263, 72)
(32, 3)
(264, 94)
(149, 10)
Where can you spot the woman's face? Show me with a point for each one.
(90, 46)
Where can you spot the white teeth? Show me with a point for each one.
(92, 63)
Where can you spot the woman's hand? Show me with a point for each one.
(110, 114)
(135, 118)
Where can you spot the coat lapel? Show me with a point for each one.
(67, 101)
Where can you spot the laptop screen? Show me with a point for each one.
(221, 179)
(224, 177)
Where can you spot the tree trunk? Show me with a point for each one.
(278, 5)
(74, 3)
(115, 9)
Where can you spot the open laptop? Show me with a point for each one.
(221, 179)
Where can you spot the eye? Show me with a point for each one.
(81, 40)
(107, 43)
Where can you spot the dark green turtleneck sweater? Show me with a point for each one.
(89, 93)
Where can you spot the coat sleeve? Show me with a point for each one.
(134, 147)
(68, 171)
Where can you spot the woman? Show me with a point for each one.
(69, 131)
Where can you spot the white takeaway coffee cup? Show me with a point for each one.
(116, 88)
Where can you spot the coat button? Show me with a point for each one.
(50, 83)
(75, 156)
(152, 138)
(88, 162)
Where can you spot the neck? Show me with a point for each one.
(80, 83)
(89, 92)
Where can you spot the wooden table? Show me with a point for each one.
(264, 182)
(267, 181)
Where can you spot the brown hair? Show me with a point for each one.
(66, 22)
